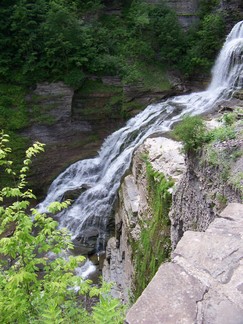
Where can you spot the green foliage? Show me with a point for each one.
(207, 6)
(74, 78)
(222, 155)
(223, 133)
(13, 111)
(222, 200)
(204, 42)
(230, 118)
(168, 36)
(66, 40)
(36, 284)
(60, 39)
(237, 182)
(192, 132)
(108, 311)
(154, 246)
(211, 34)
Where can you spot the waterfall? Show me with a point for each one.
(89, 217)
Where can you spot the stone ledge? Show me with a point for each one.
(204, 281)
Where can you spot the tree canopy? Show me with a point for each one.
(66, 40)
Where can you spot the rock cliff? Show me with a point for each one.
(208, 185)
(67, 139)
(204, 184)
(134, 210)
(203, 282)
(187, 11)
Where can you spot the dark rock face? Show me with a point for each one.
(134, 211)
(75, 193)
(67, 138)
(186, 11)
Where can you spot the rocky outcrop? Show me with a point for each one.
(133, 209)
(207, 186)
(69, 135)
(203, 283)
(107, 98)
(187, 11)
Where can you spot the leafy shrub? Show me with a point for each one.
(207, 6)
(74, 78)
(229, 118)
(192, 132)
(222, 133)
(35, 288)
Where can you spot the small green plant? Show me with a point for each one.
(222, 200)
(36, 288)
(221, 134)
(237, 182)
(192, 132)
(229, 118)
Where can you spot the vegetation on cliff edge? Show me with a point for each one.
(154, 246)
(222, 146)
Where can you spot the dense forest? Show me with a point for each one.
(68, 40)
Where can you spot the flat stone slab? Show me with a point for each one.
(204, 282)
(152, 306)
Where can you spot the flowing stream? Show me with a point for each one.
(90, 216)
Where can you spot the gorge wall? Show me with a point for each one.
(73, 124)
(204, 184)
(187, 11)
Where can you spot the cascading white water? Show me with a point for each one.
(90, 215)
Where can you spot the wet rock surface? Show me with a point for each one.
(203, 283)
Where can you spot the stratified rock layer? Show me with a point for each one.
(133, 209)
(204, 281)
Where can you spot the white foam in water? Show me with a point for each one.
(103, 174)
(86, 270)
